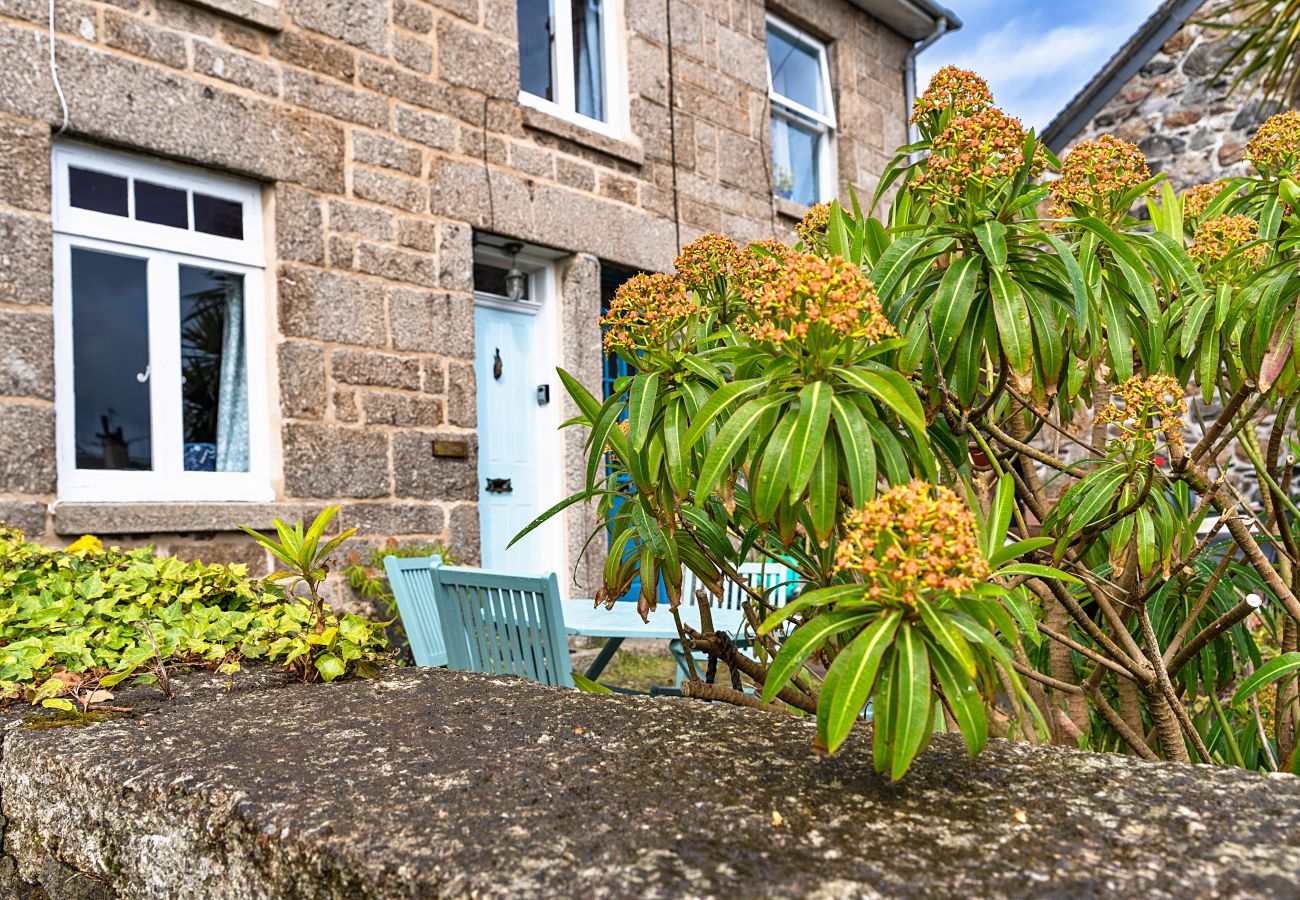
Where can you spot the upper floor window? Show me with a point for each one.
(803, 114)
(160, 372)
(566, 56)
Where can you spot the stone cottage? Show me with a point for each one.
(1162, 91)
(261, 255)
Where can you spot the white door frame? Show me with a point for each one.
(544, 304)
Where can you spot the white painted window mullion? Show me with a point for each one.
(566, 92)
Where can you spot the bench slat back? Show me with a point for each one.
(411, 580)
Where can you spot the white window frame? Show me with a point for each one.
(614, 53)
(824, 123)
(166, 249)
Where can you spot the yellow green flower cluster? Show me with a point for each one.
(815, 222)
(1197, 199)
(1218, 238)
(1096, 174)
(960, 90)
(975, 151)
(646, 312)
(1275, 148)
(914, 540)
(1147, 397)
(707, 258)
(789, 297)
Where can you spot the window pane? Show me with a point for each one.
(796, 163)
(796, 70)
(490, 279)
(110, 361)
(97, 191)
(213, 215)
(214, 371)
(588, 58)
(536, 35)
(161, 205)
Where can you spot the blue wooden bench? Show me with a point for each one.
(773, 579)
(411, 580)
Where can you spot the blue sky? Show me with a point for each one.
(1035, 54)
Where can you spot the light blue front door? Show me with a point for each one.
(506, 369)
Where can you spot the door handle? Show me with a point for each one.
(499, 486)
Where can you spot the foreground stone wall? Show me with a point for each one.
(429, 783)
(385, 132)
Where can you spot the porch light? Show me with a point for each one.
(516, 281)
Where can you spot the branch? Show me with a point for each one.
(701, 691)
(1212, 433)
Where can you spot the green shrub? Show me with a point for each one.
(365, 574)
(74, 623)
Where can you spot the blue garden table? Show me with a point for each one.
(622, 622)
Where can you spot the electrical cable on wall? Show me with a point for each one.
(672, 123)
(54, 73)
(487, 171)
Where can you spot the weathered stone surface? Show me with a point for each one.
(331, 307)
(432, 322)
(378, 369)
(302, 380)
(462, 398)
(393, 518)
(219, 62)
(298, 225)
(25, 259)
(478, 60)
(397, 265)
(24, 158)
(433, 783)
(26, 515)
(360, 24)
(27, 448)
(155, 518)
(377, 150)
(333, 462)
(418, 473)
(409, 410)
(26, 364)
(135, 36)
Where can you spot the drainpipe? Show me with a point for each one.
(909, 71)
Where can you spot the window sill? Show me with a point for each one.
(789, 209)
(263, 15)
(548, 123)
(76, 518)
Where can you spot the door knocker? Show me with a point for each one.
(496, 365)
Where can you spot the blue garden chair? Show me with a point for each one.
(411, 579)
(502, 624)
(771, 577)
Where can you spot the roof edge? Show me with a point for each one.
(913, 19)
(1136, 52)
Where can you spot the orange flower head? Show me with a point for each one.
(974, 152)
(1095, 176)
(962, 91)
(913, 542)
(1275, 148)
(706, 258)
(646, 313)
(804, 292)
(1197, 199)
(1218, 239)
(1146, 398)
(814, 223)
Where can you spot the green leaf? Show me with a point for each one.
(850, 679)
(773, 473)
(329, 666)
(914, 701)
(809, 433)
(806, 640)
(952, 302)
(1038, 571)
(679, 459)
(65, 705)
(811, 599)
(856, 445)
(992, 237)
(963, 699)
(587, 686)
(589, 405)
(1012, 317)
(1279, 668)
(559, 507)
(641, 408)
(947, 636)
(891, 389)
(823, 493)
(730, 439)
(720, 398)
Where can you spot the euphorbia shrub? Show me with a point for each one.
(961, 424)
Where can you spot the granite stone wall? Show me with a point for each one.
(385, 133)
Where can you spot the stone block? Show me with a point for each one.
(618, 188)
(26, 448)
(411, 87)
(27, 516)
(186, 17)
(330, 306)
(397, 265)
(25, 162)
(413, 16)
(414, 53)
(466, 9)
(326, 57)
(575, 174)
(378, 150)
(376, 369)
(355, 218)
(363, 25)
(135, 36)
(418, 473)
(433, 377)
(463, 532)
(403, 410)
(393, 518)
(432, 322)
(345, 406)
(121, 100)
(456, 256)
(430, 129)
(220, 62)
(25, 259)
(156, 518)
(418, 234)
(477, 60)
(462, 400)
(342, 251)
(302, 380)
(334, 462)
(26, 354)
(252, 40)
(298, 226)
(532, 160)
(391, 190)
(327, 96)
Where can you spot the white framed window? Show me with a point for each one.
(160, 334)
(803, 114)
(570, 58)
